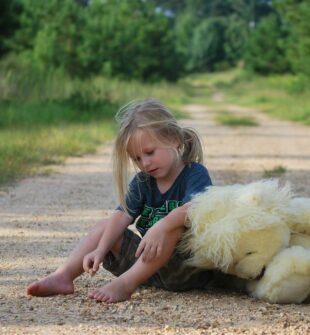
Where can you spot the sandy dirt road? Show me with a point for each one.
(42, 218)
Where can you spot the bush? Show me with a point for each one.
(265, 52)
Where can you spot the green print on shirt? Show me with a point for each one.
(150, 215)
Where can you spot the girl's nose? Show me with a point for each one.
(145, 161)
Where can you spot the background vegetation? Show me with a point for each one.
(156, 39)
(67, 65)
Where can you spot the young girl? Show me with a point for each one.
(169, 159)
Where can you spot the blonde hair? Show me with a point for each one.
(152, 116)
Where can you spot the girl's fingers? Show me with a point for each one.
(140, 249)
(95, 266)
(85, 265)
(149, 253)
(146, 252)
(159, 251)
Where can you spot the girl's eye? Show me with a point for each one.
(150, 153)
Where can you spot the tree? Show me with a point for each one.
(212, 33)
(10, 9)
(235, 38)
(265, 51)
(207, 47)
(123, 38)
(128, 38)
(296, 14)
(49, 33)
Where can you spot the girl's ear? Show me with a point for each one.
(178, 144)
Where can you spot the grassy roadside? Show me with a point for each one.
(44, 121)
(285, 97)
(24, 152)
(35, 135)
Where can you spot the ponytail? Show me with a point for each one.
(192, 146)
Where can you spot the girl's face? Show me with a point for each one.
(154, 158)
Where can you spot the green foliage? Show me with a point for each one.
(212, 34)
(23, 82)
(231, 120)
(50, 33)
(296, 14)
(275, 172)
(207, 48)
(281, 96)
(9, 10)
(47, 116)
(155, 39)
(265, 51)
(24, 151)
(147, 40)
(73, 110)
(129, 39)
(298, 84)
(236, 36)
(183, 29)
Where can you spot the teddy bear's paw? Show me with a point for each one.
(286, 279)
(298, 215)
(250, 267)
(255, 249)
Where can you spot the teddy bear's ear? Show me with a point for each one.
(298, 218)
(286, 278)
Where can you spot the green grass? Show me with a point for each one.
(29, 85)
(231, 120)
(32, 114)
(275, 172)
(281, 96)
(45, 118)
(24, 151)
(274, 96)
(36, 134)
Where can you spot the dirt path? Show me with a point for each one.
(42, 218)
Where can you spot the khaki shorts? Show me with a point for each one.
(174, 276)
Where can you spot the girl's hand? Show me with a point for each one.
(92, 261)
(152, 244)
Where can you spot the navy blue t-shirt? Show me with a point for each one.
(144, 199)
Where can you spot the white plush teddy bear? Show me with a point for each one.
(256, 232)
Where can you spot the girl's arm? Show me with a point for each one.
(115, 227)
(151, 245)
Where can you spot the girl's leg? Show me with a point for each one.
(61, 281)
(122, 287)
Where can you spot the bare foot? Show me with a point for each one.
(115, 291)
(55, 283)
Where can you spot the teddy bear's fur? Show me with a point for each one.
(253, 230)
(286, 279)
(298, 215)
